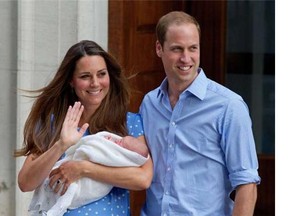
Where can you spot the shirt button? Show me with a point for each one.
(167, 192)
(164, 214)
(173, 123)
(168, 169)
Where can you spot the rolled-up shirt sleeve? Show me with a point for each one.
(238, 144)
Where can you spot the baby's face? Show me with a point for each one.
(116, 141)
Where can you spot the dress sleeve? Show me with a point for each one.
(134, 124)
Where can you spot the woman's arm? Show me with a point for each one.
(36, 168)
(132, 178)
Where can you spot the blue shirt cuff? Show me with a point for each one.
(244, 177)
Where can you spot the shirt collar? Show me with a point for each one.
(198, 87)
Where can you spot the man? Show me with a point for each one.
(199, 133)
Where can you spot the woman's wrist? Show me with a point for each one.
(61, 145)
(86, 168)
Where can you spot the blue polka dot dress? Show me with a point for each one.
(117, 202)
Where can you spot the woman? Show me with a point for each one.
(91, 86)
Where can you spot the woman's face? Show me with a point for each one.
(91, 81)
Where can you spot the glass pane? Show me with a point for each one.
(250, 67)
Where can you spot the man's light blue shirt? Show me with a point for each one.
(202, 149)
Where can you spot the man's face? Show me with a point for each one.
(180, 54)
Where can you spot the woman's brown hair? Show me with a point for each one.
(43, 125)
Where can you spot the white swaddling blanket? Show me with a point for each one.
(95, 148)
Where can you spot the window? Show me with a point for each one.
(250, 49)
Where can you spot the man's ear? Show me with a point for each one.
(158, 49)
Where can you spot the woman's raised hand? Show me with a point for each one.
(70, 133)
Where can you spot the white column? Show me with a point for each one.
(93, 21)
(26, 60)
(8, 55)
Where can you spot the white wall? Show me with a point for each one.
(34, 37)
(8, 70)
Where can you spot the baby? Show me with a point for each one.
(104, 148)
(131, 143)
